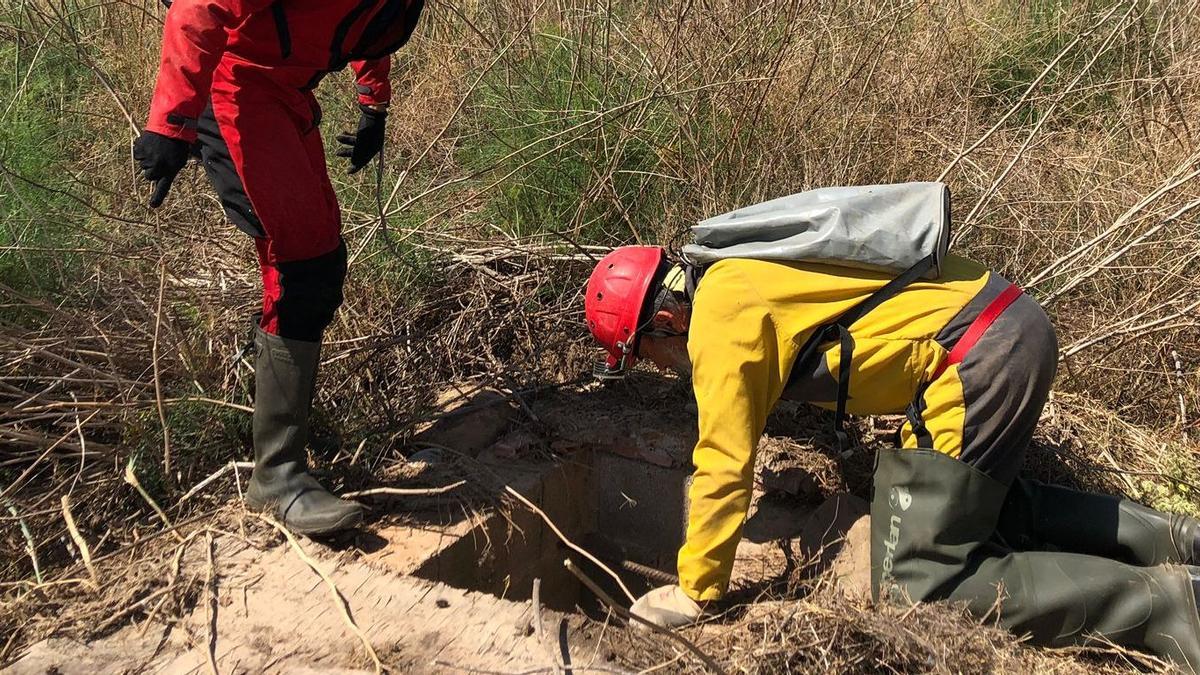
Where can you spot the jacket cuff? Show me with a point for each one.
(173, 125)
(374, 95)
(702, 595)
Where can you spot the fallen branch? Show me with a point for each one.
(129, 609)
(572, 545)
(630, 616)
(215, 475)
(403, 491)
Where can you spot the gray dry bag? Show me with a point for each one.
(887, 228)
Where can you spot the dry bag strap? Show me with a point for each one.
(691, 278)
(978, 327)
(840, 330)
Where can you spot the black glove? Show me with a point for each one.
(364, 144)
(161, 158)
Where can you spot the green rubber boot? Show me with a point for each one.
(1037, 517)
(285, 373)
(932, 524)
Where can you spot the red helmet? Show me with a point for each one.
(615, 295)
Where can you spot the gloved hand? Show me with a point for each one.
(161, 158)
(666, 606)
(364, 144)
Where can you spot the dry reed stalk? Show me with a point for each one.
(132, 479)
(80, 543)
(1033, 85)
(1047, 114)
(162, 415)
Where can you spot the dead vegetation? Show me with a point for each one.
(526, 137)
(827, 633)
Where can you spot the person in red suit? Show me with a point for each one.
(235, 87)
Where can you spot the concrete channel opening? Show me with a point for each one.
(621, 510)
(616, 484)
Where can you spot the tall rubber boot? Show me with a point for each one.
(932, 524)
(284, 374)
(1037, 516)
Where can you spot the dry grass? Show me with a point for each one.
(826, 632)
(525, 136)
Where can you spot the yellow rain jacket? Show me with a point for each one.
(750, 318)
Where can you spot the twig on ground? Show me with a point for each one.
(403, 491)
(630, 616)
(131, 478)
(215, 475)
(516, 393)
(210, 605)
(570, 544)
(338, 598)
(152, 536)
(129, 609)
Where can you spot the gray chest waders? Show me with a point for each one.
(933, 520)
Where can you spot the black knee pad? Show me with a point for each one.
(311, 291)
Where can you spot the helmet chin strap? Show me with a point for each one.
(602, 371)
(665, 298)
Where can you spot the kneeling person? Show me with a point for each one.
(970, 360)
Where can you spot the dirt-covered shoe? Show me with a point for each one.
(304, 506)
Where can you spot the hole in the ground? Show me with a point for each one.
(619, 509)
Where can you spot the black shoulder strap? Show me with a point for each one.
(885, 293)
(691, 278)
(839, 330)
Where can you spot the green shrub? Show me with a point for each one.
(37, 137)
(1032, 35)
(576, 150)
